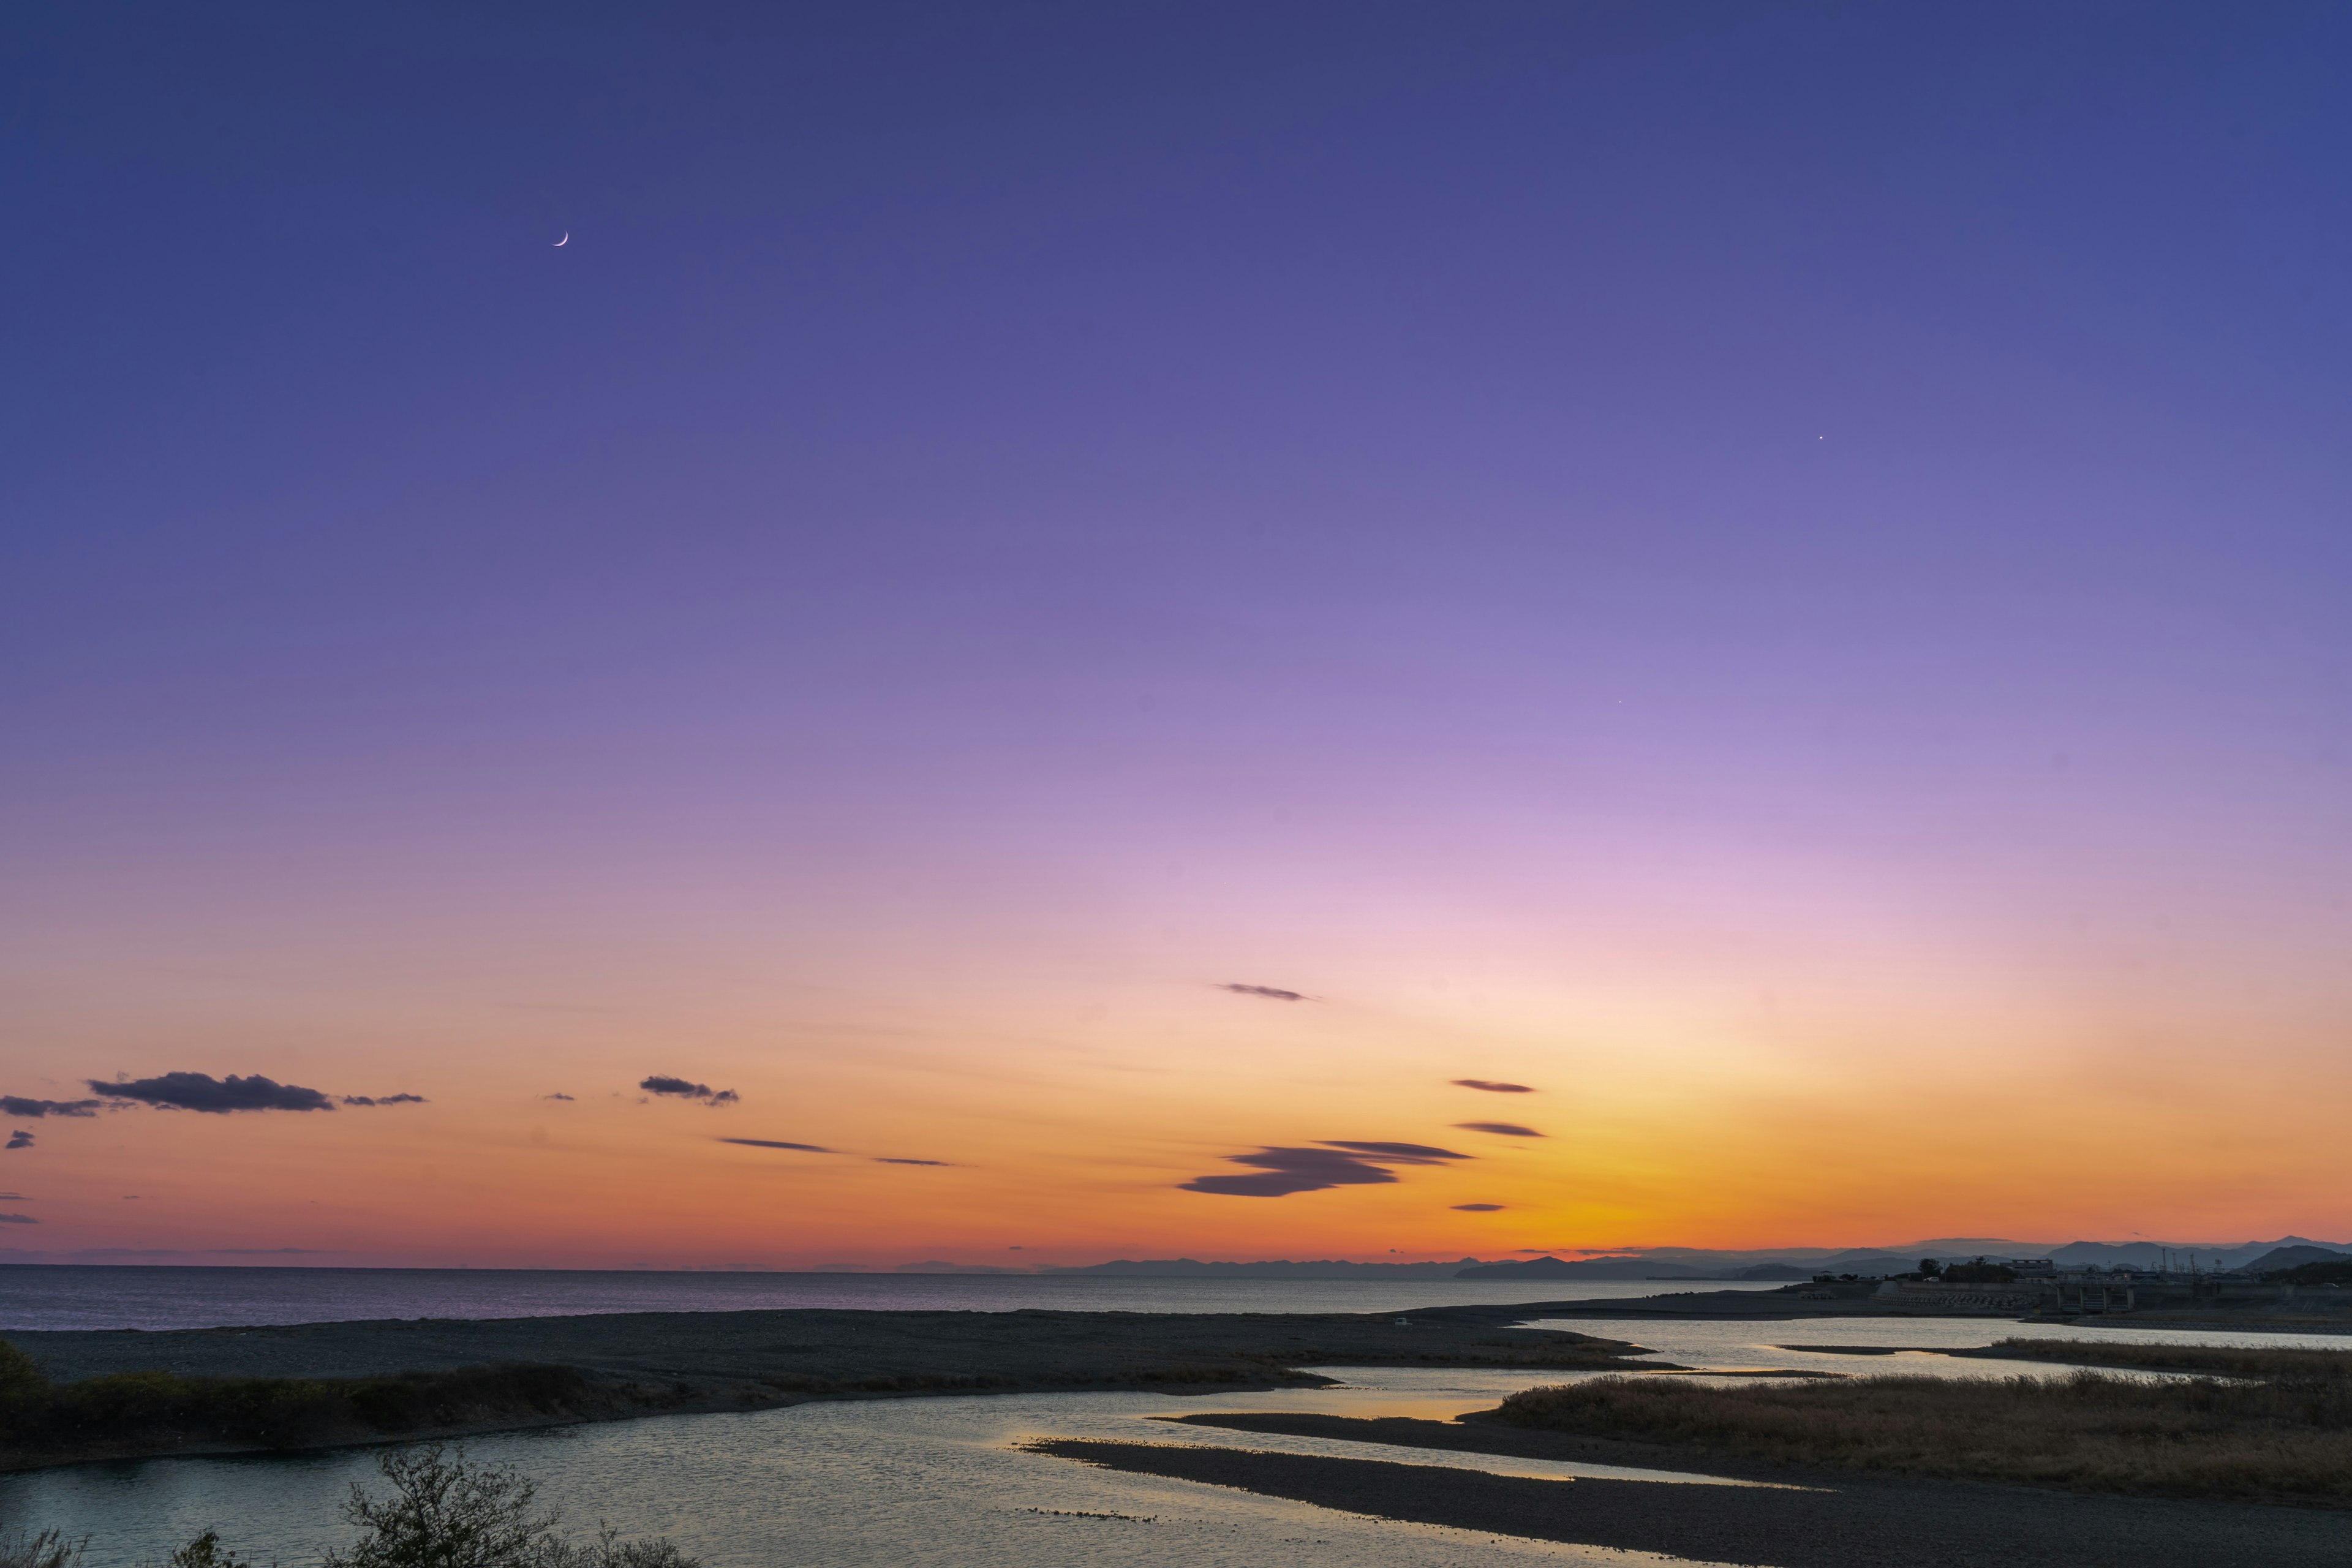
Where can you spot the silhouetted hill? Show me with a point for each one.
(2295, 1257)
(1283, 1269)
(1585, 1269)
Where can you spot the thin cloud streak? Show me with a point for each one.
(1396, 1153)
(18, 1105)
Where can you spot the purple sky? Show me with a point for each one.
(977, 475)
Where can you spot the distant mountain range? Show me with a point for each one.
(1800, 1262)
(1324, 1269)
(1671, 1263)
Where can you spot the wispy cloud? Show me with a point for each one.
(1396, 1153)
(687, 1089)
(1499, 1129)
(776, 1143)
(20, 1139)
(555, 1097)
(1270, 993)
(18, 1219)
(202, 1091)
(1281, 1172)
(881, 1159)
(18, 1105)
(1477, 1208)
(384, 1100)
(1491, 1086)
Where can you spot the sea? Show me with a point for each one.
(94, 1296)
(911, 1483)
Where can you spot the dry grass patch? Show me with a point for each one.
(2287, 1440)
(2289, 1364)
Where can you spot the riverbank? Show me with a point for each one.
(2224, 1431)
(1810, 1520)
(325, 1383)
(122, 1393)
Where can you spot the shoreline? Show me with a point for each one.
(336, 1379)
(127, 1393)
(1810, 1521)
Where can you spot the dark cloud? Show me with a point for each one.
(555, 1097)
(1477, 1208)
(1270, 993)
(1499, 1129)
(1396, 1153)
(686, 1089)
(881, 1161)
(1493, 1088)
(20, 1139)
(18, 1219)
(385, 1100)
(773, 1144)
(16, 1105)
(13, 1199)
(202, 1091)
(1281, 1172)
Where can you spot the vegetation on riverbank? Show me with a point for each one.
(2285, 1439)
(2289, 1364)
(442, 1512)
(257, 1388)
(159, 1412)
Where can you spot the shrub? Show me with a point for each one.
(20, 1375)
(205, 1552)
(447, 1513)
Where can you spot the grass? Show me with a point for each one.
(44, 1549)
(2286, 1438)
(152, 1412)
(2218, 1361)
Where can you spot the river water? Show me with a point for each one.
(945, 1482)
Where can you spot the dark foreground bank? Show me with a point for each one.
(1834, 1523)
(124, 1394)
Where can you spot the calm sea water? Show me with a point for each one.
(944, 1482)
(62, 1296)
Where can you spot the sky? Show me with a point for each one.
(1075, 612)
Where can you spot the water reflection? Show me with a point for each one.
(923, 1481)
(946, 1482)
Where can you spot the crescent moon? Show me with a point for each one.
(564, 241)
